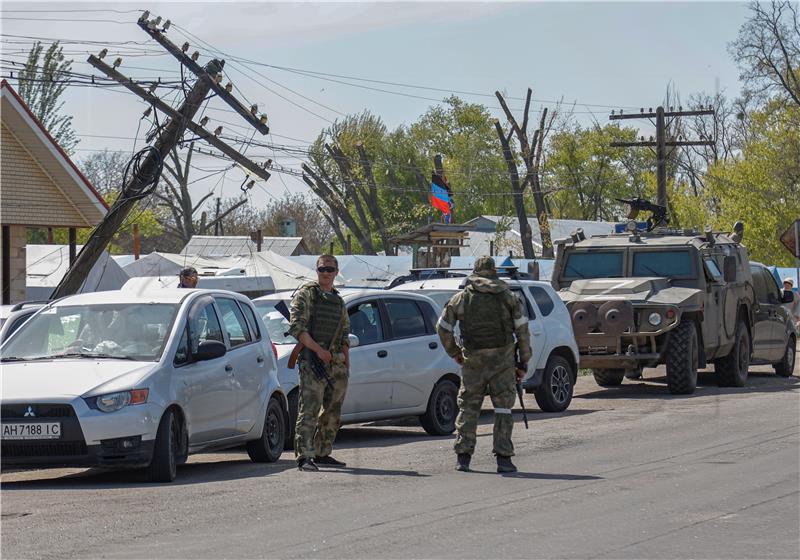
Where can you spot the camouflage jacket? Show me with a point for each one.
(302, 311)
(454, 312)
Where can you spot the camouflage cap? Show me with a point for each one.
(484, 264)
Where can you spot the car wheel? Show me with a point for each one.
(293, 398)
(555, 394)
(608, 377)
(440, 417)
(732, 369)
(268, 448)
(785, 367)
(682, 359)
(164, 465)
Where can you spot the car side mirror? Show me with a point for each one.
(353, 340)
(788, 296)
(210, 350)
(729, 269)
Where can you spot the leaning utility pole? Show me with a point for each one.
(147, 164)
(660, 143)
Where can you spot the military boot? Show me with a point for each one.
(462, 462)
(308, 465)
(504, 464)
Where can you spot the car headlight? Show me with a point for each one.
(654, 319)
(115, 401)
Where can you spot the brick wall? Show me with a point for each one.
(18, 239)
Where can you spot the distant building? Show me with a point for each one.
(210, 246)
(41, 188)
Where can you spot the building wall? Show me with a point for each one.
(29, 195)
(16, 256)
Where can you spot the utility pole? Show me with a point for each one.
(145, 178)
(661, 143)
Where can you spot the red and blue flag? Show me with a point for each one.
(441, 196)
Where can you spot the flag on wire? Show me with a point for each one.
(442, 196)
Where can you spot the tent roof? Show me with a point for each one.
(47, 265)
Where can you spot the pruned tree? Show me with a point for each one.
(41, 83)
(175, 200)
(768, 50)
(530, 151)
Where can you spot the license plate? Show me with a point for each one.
(32, 430)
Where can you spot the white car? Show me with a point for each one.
(553, 370)
(397, 364)
(128, 379)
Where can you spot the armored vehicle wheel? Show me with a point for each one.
(608, 377)
(268, 448)
(682, 359)
(555, 394)
(440, 417)
(732, 369)
(785, 367)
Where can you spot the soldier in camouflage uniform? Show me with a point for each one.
(490, 316)
(319, 321)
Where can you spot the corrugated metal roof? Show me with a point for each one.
(210, 246)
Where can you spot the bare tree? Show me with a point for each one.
(531, 154)
(768, 50)
(105, 170)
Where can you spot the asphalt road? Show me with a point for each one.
(626, 473)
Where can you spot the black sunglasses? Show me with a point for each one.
(326, 269)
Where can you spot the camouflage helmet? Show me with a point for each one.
(484, 265)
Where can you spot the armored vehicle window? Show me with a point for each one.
(601, 264)
(713, 269)
(543, 300)
(670, 264)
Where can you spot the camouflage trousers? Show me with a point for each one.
(319, 412)
(486, 372)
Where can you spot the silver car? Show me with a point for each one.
(129, 379)
(397, 364)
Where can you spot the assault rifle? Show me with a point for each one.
(518, 364)
(314, 362)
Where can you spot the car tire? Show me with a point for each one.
(731, 370)
(785, 368)
(555, 393)
(269, 447)
(294, 406)
(608, 377)
(440, 417)
(682, 359)
(164, 464)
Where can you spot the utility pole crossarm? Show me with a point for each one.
(653, 143)
(201, 132)
(257, 122)
(654, 114)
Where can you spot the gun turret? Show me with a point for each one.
(658, 216)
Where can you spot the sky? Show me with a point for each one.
(311, 63)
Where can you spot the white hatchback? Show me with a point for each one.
(125, 379)
(397, 364)
(553, 370)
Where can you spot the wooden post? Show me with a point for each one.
(73, 242)
(136, 242)
(259, 239)
(330, 249)
(49, 236)
(6, 265)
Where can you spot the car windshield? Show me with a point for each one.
(597, 264)
(668, 264)
(127, 331)
(276, 323)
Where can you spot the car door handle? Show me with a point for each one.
(382, 353)
(229, 368)
(260, 359)
(433, 345)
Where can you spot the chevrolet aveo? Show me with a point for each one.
(124, 379)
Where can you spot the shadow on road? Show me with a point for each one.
(541, 476)
(360, 471)
(656, 387)
(190, 473)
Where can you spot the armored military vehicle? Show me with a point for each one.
(654, 296)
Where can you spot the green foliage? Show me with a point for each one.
(41, 86)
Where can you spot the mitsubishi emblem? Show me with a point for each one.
(29, 412)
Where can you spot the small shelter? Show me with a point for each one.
(47, 265)
(41, 187)
(434, 244)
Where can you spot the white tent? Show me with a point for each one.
(47, 264)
